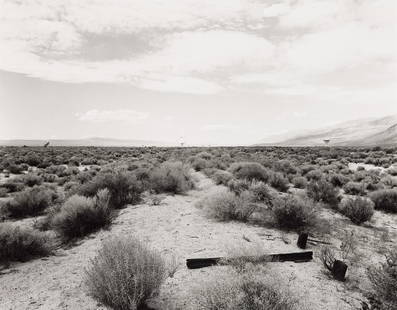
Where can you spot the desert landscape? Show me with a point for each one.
(76, 222)
(198, 155)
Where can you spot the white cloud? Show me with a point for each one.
(208, 51)
(343, 47)
(112, 115)
(180, 84)
(276, 10)
(203, 47)
(218, 127)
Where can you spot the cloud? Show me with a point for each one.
(347, 46)
(180, 84)
(218, 127)
(209, 51)
(283, 47)
(320, 15)
(276, 10)
(112, 116)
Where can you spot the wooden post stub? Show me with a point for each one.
(302, 240)
(339, 270)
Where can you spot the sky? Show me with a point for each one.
(205, 72)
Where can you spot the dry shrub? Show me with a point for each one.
(21, 244)
(261, 192)
(171, 177)
(30, 202)
(238, 186)
(279, 182)
(384, 281)
(348, 251)
(314, 175)
(13, 186)
(250, 171)
(249, 290)
(358, 209)
(299, 182)
(354, 188)
(123, 186)
(323, 191)
(294, 212)
(327, 257)
(125, 274)
(243, 255)
(80, 215)
(338, 179)
(226, 206)
(385, 199)
(199, 163)
(222, 177)
(31, 179)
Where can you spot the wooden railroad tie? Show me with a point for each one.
(194, 263)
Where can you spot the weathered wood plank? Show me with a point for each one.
(194, 263)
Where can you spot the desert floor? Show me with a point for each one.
(178, 228)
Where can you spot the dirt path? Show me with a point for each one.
(176, 227)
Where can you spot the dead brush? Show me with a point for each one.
(252, 288)
(125, 273)
(347, 252)
(242, 255)
(384, 282)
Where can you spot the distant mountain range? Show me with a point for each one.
(363, 132)
(85, 142)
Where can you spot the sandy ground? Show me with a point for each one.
(177, 228)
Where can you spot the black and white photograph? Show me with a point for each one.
(198, 154)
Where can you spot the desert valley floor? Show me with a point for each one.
(178, 228)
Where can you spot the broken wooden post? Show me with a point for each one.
(302, 240)
(194, 263)
(339, 270)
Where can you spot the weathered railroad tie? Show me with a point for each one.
(194, 263)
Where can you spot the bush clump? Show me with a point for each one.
(246, 291)
(323, 191)
(354, 188)
(338, 179)
(293, 212)
(385, 199)
(358, 209)
(226, 206)
(13, 186)
(222, 177)
(125, 273)
(80, 215)
(384, 282)
(171, 177)
(31, 179)
(279, 182)
(261, 192)
(238, 186)
(21, 244)
(299, 182)
(250, 171)
(30, 202)
(123, 187)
